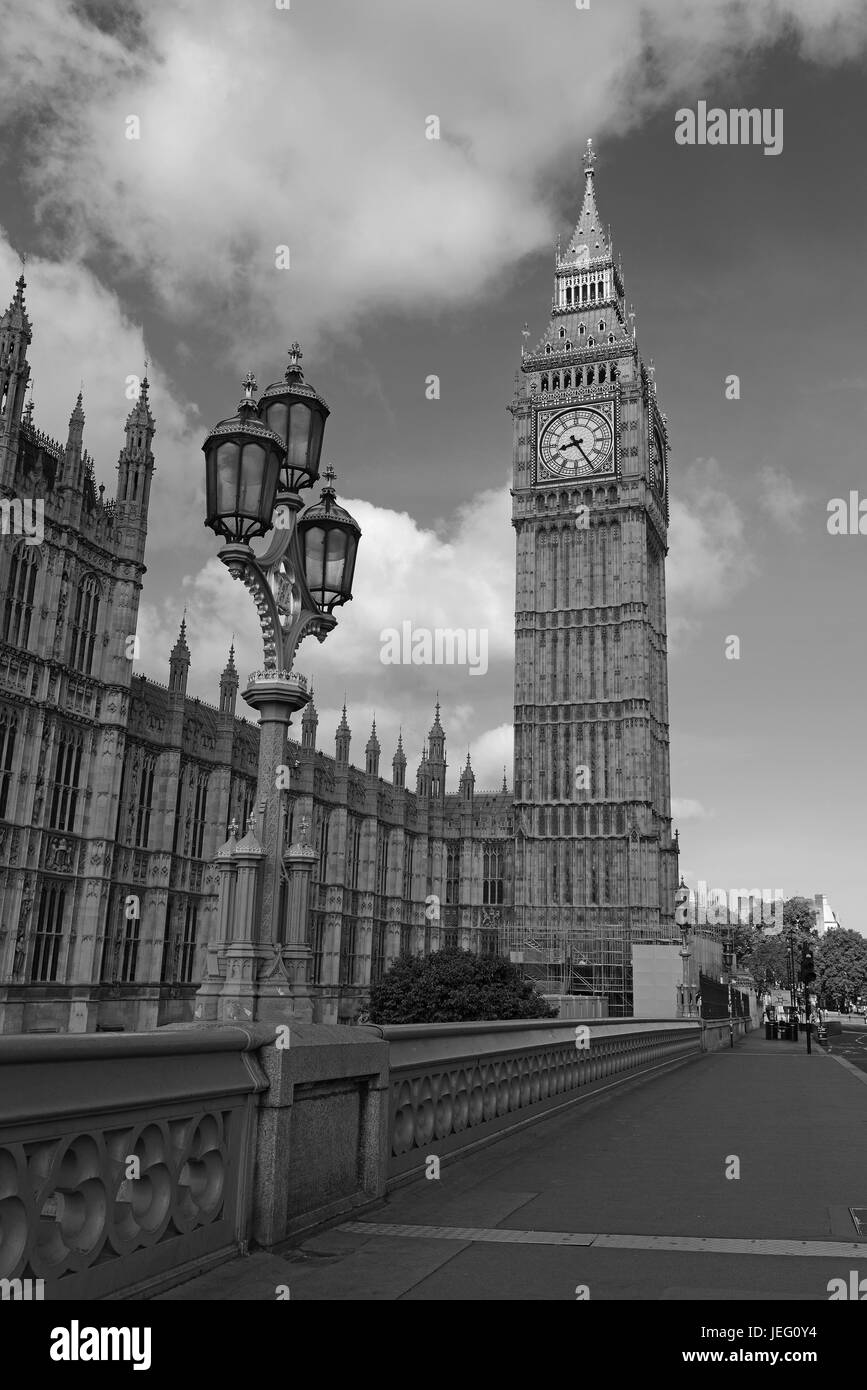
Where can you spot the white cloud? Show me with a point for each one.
(305, 127)
(709, 558)
(780, 499)
(687, 808)
(491, 753)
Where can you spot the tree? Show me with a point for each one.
(799, 915)
(454, 986)
(768, 955)
(767, 961)
(841, 965)
(744, 940)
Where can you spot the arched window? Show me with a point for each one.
(144, 803)
(593, 291)
(555, 382)
(544, 386)
(200, 815)
(65, 781)
(601, 290)
(567, 380)
(492, 875)
(611, 337)
(19, 596)
(84, 625)
(547, 349)
(591, 342)
(568, 346)
(601, 373)
(579, 377)
(562, 333)
(452, 873)
(581, 330)
(584, 294)
(589, 376)
(568, 294)
(601, 325)
(48, 935)
(613, 372)
(8, 730)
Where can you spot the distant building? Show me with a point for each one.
(826, 917)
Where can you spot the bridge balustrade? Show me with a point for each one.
(129, 1162)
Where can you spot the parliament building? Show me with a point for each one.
(117, 789)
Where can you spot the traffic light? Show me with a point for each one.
(808, 967)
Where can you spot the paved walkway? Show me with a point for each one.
(625, 1194)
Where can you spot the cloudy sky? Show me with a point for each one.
(304, 127)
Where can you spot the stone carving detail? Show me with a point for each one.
(60, 854)
(323, 780)
(277, 968)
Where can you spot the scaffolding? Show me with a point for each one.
(589, 959)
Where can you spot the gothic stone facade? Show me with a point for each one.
(116, 791)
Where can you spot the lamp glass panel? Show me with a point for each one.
(314, 557)
(349, 567)
(251, 479)
(299, 435)
(277, 418)
(227, 478)
(317, 430)
(335, 561)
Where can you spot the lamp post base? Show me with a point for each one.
(262, 970)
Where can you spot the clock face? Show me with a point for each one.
(657, 461)
(575, 442)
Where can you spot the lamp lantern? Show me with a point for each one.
(243, 459)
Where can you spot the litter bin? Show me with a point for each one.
(769, 1029)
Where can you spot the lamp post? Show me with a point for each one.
(256, 463)
(685, 988)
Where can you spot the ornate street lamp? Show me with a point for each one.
(686, 1004)
(255, 463)
(329, 538)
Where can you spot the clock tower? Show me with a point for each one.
(596, 864)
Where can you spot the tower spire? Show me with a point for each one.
(372, 751)
(398, 763)
(179, 661)
(590, 239)
(229, 684)
(342, 737)
(15, 338)
(309, 724)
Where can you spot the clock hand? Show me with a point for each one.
(577, 443)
